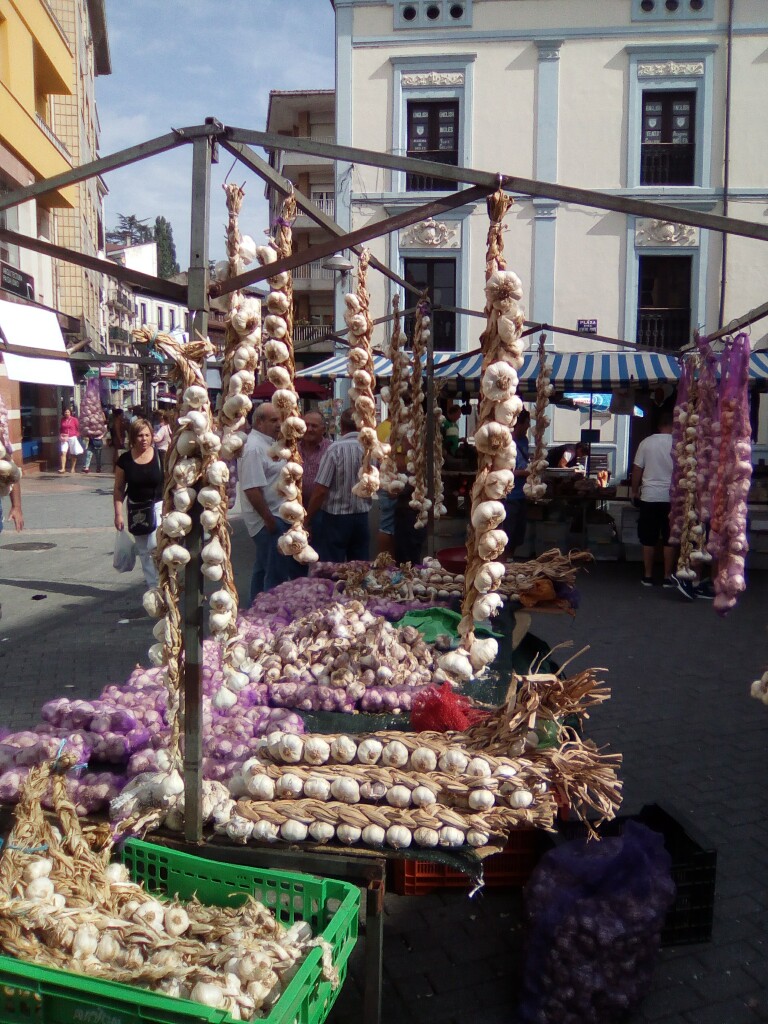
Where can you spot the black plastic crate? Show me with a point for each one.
(694, 867)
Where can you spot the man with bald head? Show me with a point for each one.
(312, 447)
(258, 475)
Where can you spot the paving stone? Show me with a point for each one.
(729, 1011)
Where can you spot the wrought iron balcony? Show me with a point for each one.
(664, 329)
(667, 163)
(425, 183)
(119, 334)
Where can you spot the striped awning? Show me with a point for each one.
(597, 371)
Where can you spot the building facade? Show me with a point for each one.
(307, 114)
(630, 97)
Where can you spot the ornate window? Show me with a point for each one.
(668, 138)
(438, 276)
(433, 134)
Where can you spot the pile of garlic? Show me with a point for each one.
(384, 789)
(360, 363)
(278, 348)
(534, 488)
(417, 463)
(496, 451)
(392, 480)
(686, 529)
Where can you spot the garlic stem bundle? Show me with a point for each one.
(278, 347)
(499, 407)
(534, 488)
(360, 361)
(392, 480)
(417, 431)
(183, 478)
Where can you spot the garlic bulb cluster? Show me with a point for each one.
(278, 348)
(417, 428)
(499, 408)
(685, 527)
(73, 909)
(360, 362)
(392, 480)
(10, 473)
(759, 688)
(534, 488)
(438, 458)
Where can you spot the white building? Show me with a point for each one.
(631, 97)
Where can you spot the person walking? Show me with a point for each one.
(69, 441)
(650, 484)
(258, 476)
(345, 534)
(162, 435)
(117, 434)
(139, 477)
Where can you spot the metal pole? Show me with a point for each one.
(193, 580)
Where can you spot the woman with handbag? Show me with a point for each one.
(139, 477)
(69, 441)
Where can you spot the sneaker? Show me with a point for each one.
(684, 586)
(646, 581)
(705, 590)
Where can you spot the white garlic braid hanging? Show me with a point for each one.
(278, 348)
(10, 473)
(417, 432)
(360, 361)
(534, 488)
(496, 450)
(393, 481)
(438, 454)
(192, 438)
(685, 528)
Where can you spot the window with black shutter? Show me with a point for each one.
(433, 134)
(668, 143)
(438, 277)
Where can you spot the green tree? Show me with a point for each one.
(166, 250)
(130, 231)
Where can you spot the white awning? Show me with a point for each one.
(30, 327)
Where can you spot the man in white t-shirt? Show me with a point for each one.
(651, 480)
(259, 502)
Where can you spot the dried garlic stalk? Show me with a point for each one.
(360, 360)
(496, 451)
(278, 330)
(534, 488)
(417, 463)
(393, 481)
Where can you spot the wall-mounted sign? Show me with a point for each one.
(586, 326)
(17, 282)
(108, 370)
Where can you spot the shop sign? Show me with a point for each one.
(586, 326)
(108, 370)
(17, 282)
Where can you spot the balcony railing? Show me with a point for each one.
(53, 138)
(667, 164)
(664, 329)
(313, 272)
(119, 296)
(326, 206)
(425, 183)
(310, 332)
(119, 334)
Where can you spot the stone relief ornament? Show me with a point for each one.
(431, 234)
(665, 232)
(427, 78)
(671, 69)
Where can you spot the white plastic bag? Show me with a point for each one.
(75, 448)
(124, 557)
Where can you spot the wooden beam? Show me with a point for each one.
(511, 182)
(348, 241)
(145, 283)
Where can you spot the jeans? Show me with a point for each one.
(146, 545)
(270, 568)
(344, 538)
(94, 446)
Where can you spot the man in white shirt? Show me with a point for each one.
(258, 475)
(651, 480)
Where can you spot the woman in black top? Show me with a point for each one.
(139, 476)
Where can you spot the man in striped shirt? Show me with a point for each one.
(345, 534)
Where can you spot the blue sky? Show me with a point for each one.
(176, 62)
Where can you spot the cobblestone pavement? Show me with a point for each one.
(691, 737)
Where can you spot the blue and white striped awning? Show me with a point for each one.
(596, 371)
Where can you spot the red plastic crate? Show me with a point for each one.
(511, 867)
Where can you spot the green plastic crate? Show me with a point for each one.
(40, 995)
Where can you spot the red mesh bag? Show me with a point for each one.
(440, 709)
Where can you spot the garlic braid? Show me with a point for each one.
(534, 488)
(686, 528)
(183, 477)
(392, 481)
(499, 407)
(278, 330)
(360, 360)
(438, 455)
(417, 463)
